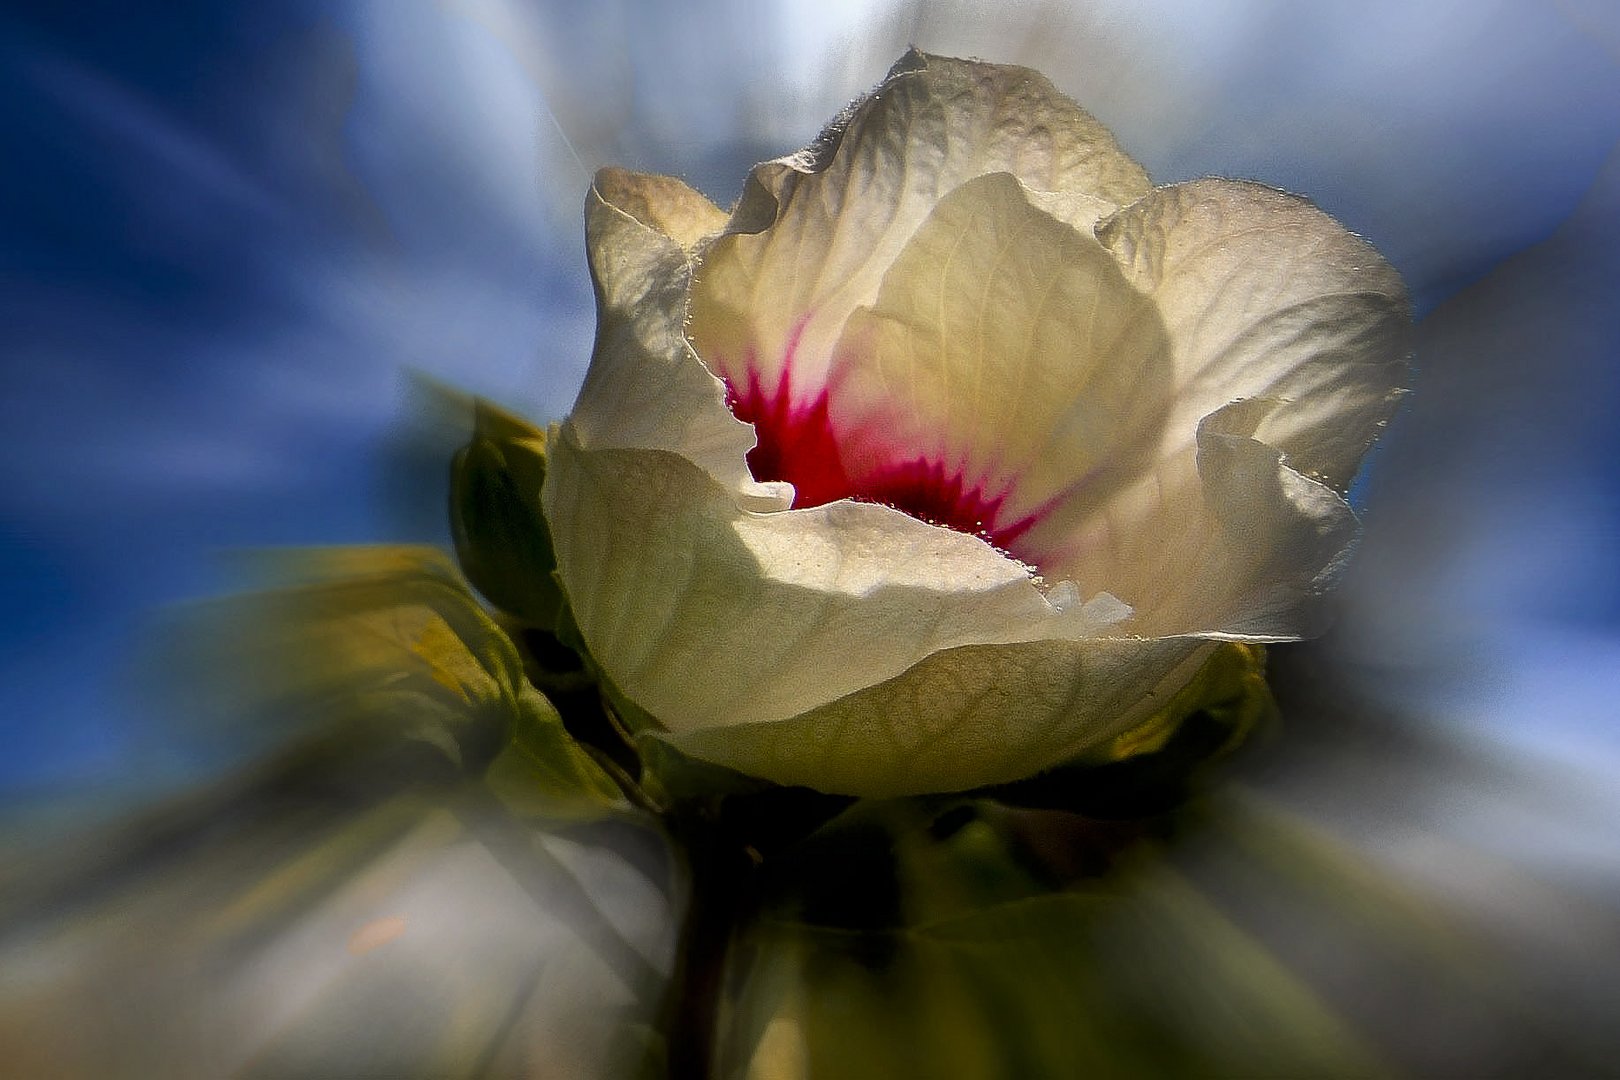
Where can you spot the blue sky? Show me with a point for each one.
(228, 231)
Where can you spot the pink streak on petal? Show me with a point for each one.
(927, 490)
(796, 441)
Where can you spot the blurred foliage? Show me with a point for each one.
(973, 964)
(1229, 939)
(391, 637)
(413, 756)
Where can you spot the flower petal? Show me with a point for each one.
(707, 615)
(1005, 350)
(662, 203)
(815, 232)
(964, 717)
(1265, 296)
(645, 386)
(1225, 540)
(1288, 340)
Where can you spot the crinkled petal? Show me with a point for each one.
(815, 232)
(707, 615)
(663, 203)
(645, 387)
(1007, 354)
(1265, 296)
(1288, 339)
(963, 718)
(1223, 540)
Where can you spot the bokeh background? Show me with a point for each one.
(235, 236)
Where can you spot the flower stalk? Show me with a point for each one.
(719, 895)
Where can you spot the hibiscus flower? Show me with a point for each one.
(950, 453)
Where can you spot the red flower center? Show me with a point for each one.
(797, 442)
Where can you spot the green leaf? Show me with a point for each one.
(501, 536)
(392, 637)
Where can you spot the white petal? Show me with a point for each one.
(645, 387)
(707, 615)
(1289, 339)
(963, 717)
(814, 232)
(662, 203)
(1225, 540)
(1007, 348)
(1263, 295)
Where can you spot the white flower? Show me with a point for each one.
(948, 454)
